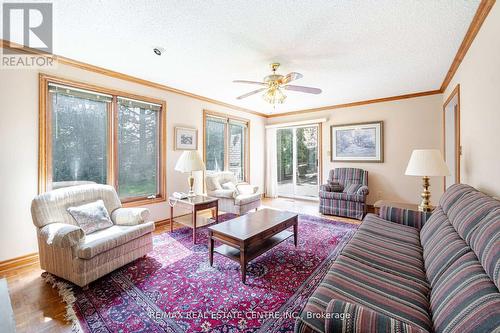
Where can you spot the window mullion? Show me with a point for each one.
(226, 146)
(112, 150)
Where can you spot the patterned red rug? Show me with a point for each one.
(175, 290)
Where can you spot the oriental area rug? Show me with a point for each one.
(174, 289)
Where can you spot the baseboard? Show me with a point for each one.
(162, 222)
(18, 262)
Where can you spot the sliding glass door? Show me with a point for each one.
(298, 161)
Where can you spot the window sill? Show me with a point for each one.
(143, 201)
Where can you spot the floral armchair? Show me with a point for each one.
(345, 193)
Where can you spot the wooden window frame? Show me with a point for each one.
(458, 144)
(45, 147)
(228, 118)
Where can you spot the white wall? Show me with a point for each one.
(408, 124)
(479, 79)
(19, 146)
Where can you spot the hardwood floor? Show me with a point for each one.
(39, 308)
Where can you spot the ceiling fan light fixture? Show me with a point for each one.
(274, 96)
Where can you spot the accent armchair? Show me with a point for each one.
(66, 251)
(345, 193)
(238, 200)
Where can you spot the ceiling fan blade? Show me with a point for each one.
(251, 93)
(308, 90)
(250, 82)
(291, 77)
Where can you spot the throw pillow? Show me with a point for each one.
(213, 183)
(229, 186)
(352, 188)
(91, 217)
(335, 186)
(245, 189)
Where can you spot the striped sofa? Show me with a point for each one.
(402, 272)
(340, 202)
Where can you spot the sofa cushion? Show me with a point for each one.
(453, 194)
(118, 253)
(104, 240)
(430, 227)
(374, 224)
(357, 283)
(485, 242)
(222, 194)
(470, 210)
(388, 261)
(442, 250)
(353, 318)
(342, 196)
(91, 217)
(464, 299)
(244, 199)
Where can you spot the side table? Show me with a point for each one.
(401, 205)
(194, 204)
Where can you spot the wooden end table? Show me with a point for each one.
(401, 205)
(194, 204)
(247, 237)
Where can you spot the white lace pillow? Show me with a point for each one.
(229, 186)
(91, 217)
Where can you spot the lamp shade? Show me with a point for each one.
(189, 161)
(427, 163)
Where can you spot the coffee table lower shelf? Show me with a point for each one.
(255, 251)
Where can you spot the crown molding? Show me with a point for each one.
(481, 13)
(359, 103)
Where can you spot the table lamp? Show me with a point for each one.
(190, 161)
(426, 163)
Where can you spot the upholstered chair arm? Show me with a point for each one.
(363, 190)
(346, 317)
(130, 216)
(407, 217)
(61, 234)
(222, 194)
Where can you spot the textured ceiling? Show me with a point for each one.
(352, 50)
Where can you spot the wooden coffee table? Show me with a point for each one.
(247, 237)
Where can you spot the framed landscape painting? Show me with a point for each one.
(186, 138)
(363, 142)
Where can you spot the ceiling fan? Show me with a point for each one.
(273, 85)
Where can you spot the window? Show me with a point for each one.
(226, 144)
(93, 135)
(138, 148)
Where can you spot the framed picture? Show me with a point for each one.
(186, 138)
(363, 142)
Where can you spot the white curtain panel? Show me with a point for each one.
(271, 164)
